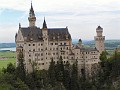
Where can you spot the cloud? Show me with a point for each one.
(81, 16)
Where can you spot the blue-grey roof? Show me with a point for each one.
(53, 33)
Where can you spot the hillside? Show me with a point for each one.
(7, 45)
(109, 44)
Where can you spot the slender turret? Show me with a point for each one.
(99, 39)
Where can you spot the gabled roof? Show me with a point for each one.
(35, 33)
(31, 33)
(58, 33)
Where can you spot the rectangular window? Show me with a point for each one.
(51, 43)
(56, 43)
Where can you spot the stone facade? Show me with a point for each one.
(99, 39)
(40, 45)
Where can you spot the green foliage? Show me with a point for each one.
(59, 70)
(103, 56)
(6, 58)
(74, 77)
(5, 86)
(20, 70)
(4, 63)
(115, 65)
(67, 77)
(12, 82)
(51, 73)
(9, 54)
(62, 76)
(10, 68)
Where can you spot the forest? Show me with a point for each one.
(62, 76)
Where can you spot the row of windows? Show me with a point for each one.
(49, 43)
(64, 48)
(49, 49)
(82, 57)
(38, 54)
(34, 44)
(36, 59)
(50, 62)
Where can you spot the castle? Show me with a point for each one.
(40, 45)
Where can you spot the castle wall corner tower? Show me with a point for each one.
(99, 39)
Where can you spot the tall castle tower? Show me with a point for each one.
(99, 39)
(31, 18)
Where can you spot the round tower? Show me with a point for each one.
(99, 39)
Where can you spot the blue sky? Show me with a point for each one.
(81, 16)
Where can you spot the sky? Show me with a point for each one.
(80, 16)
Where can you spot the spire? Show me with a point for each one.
(31, 13)
(31, 17)
(99, 28)
(19, 25)
(44, 24)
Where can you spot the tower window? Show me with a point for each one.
(56, 43)
(67, 48)
(33, 49)
(51, 43)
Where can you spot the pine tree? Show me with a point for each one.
(74, 77)
(66, 81)
(20, 70)
(59, 70)
(51, 73)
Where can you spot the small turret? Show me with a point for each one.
(80, 43)
(99, 31)
(44, 24)
(19, 25)
(44, 28)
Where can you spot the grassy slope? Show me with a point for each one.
(10, 56)
(3, 63)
